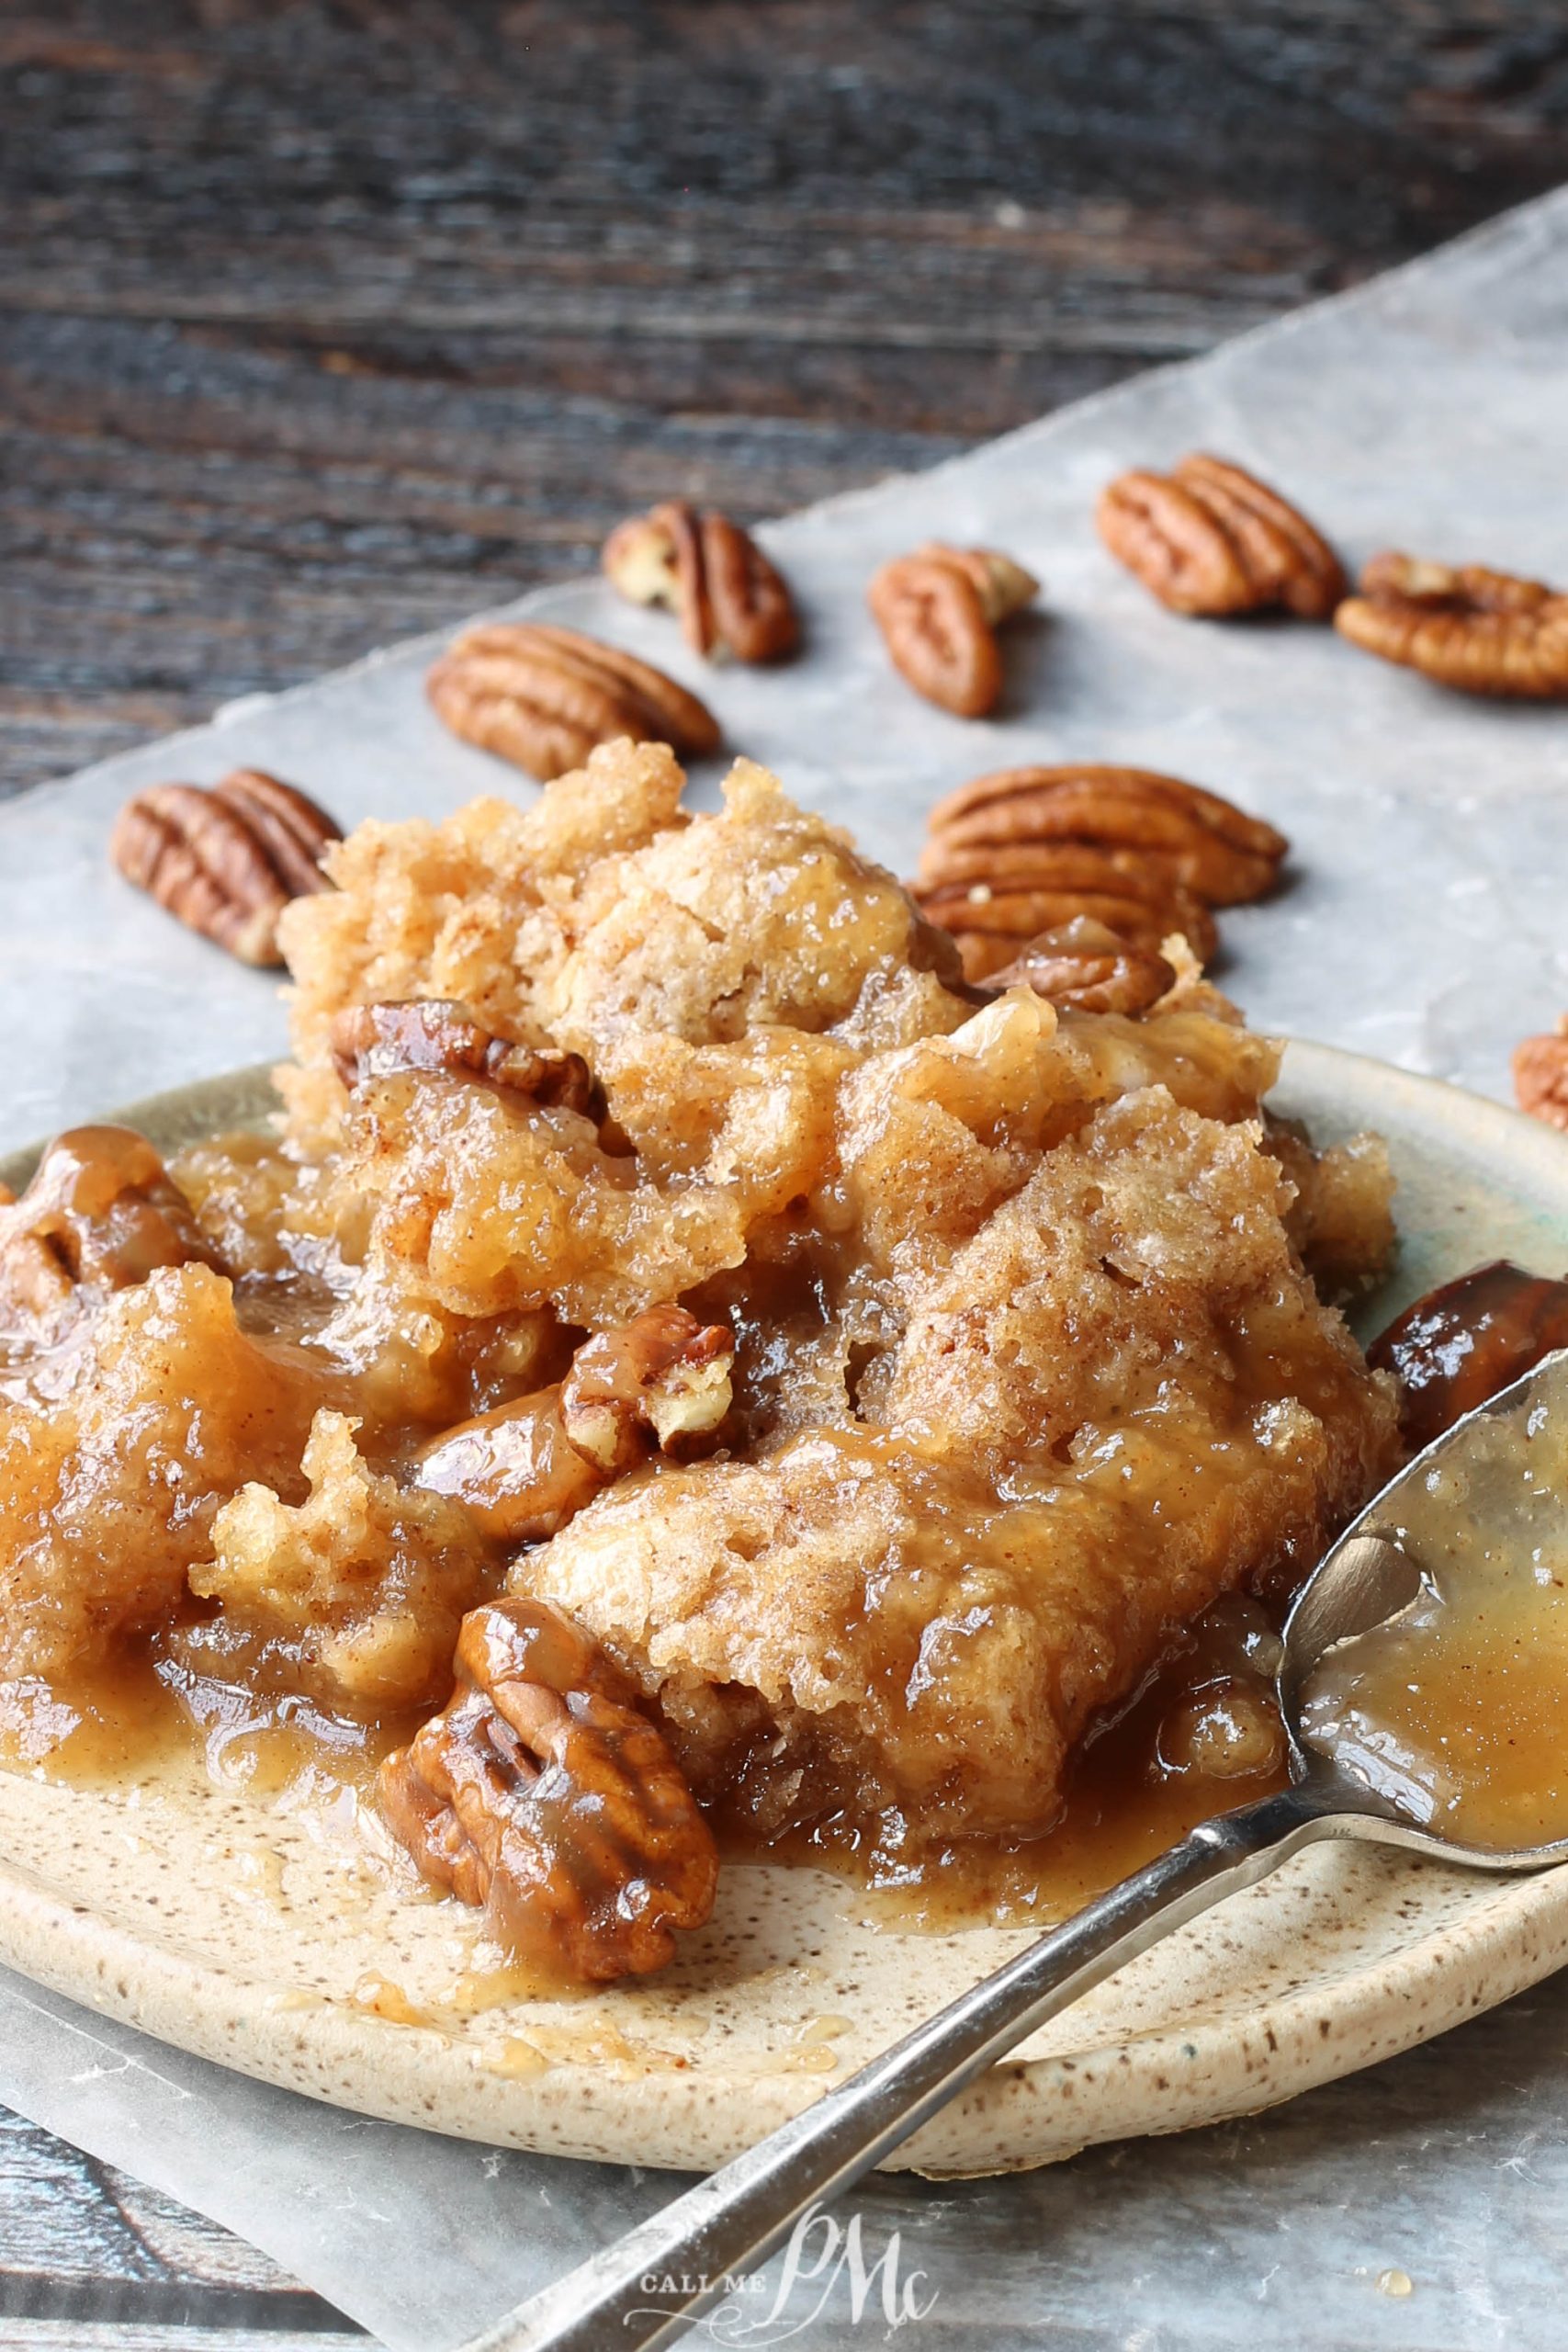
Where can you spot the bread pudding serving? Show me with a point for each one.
(687, 1370)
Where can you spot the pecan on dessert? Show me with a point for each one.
(541, 1792)
(1484, 632)
(99, 1215)
(1540, 1076)
(663, 1376)
(1210, 539)
(713, 574)
(524, 1469)
(225, 862)
(1462, 1343)
(938, 610)
(543, 697)
(436, 1036)
(1083, 967)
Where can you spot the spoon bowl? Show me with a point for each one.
(1379, 1578)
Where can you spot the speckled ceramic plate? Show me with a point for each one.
(257, 1933)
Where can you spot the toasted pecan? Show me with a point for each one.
(100, 1215)
(938, 610)
(524, 1469)
(728, 596)
(1082, 966)
(1206, 843)
(543, 697)
(1461, 1343)
(433, 1034)
(1210, 539)
(542, 1792)
(225, 860)
(1479, 631)
(1540, 1076)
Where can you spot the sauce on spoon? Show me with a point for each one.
(1457, 1708)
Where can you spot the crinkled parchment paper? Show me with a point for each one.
(1426, 922)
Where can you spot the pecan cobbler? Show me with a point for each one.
(686, 1361)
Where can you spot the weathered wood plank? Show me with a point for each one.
(320, 323)
(85, 2246)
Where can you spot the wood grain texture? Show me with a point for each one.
(323, 321)
(89, 2256)
(326, 322)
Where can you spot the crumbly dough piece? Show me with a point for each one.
(1118, 1400)
(424, 909)
(600, 912)
(353, 1595)
(1341, 1218)
(106, 1496)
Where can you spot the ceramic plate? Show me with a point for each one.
(255, 1932)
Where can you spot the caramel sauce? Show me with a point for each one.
(121, 1724)
(1140, 1782)
(1135, 1789)
(1457, 1709)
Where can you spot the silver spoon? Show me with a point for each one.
(733, 2220)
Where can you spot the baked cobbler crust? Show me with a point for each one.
(1028, 1369)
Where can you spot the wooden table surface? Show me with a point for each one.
(322, 323)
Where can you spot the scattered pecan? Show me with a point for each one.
(1540, 1076)
(939, 609)
(1462, 1343)
(1484, 632)
(100, 1214)
(711, 572)
(1027, 849)
(1211, 847)
(227, 861)
(525, 1468)
(1082, 966)
(543, 697)
(542, 1792)
(1209, 538)
(432, 1033)
(1030, 891)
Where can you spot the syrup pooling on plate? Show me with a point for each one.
(1457, 1709)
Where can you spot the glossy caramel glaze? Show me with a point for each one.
(1461, 1344)
(1458, 1707)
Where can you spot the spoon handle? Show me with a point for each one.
(644, 2290)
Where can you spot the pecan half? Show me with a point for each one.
(662, 1380)
(1082, 966)
(1202, 842)
(543, 697)
(1540, 1076)
(1028, 891)
(713, 574)
(1482, 632)
(939, 609)
(100, 1215)
(1462, 1342)
(1210, 539)
(1026, 850)
(541, 1792)
(663, 1375)
(225, 862)
(434, 1034)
